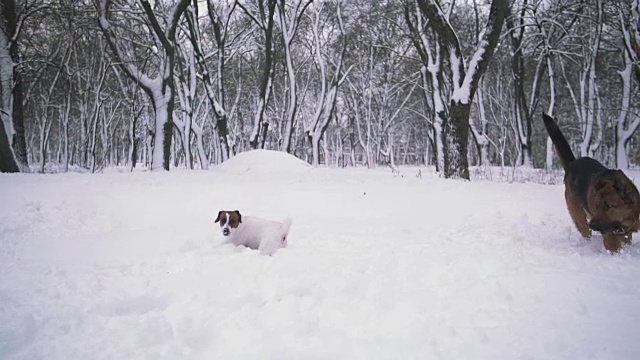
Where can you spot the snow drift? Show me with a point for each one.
(263, 163)
(379, 266)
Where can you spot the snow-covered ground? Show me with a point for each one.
(380, 265)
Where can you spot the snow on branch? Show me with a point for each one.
(465, 81)
(167, 38)
(446, 36)
(486, 46)
(130, 69)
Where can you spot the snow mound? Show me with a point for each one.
(262, 162)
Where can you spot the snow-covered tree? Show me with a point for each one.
(220, 15)
(329, 83)
(463, 76)
(159, 88)
(628, 119)
(13, 150)
(288, 20)
(262, 14)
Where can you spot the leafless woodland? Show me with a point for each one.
(91, 84)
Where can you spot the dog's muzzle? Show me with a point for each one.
(620, 231)
(226, 231)
(615, 228)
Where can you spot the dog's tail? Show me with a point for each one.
(563, 149)
(286, 224)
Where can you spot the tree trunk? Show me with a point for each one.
(160, 89)
(11, 101)
(267, 69)
(328, 87)
(164, 133)
(632, 38)
(464, 77)
(19, 143)
(550, 110)
(438, 142)
(66, 114)
(288, 28)
(352, 143)
(7, 161)
(521, 109)
(186, 142)
(292, 106)
(45, 128)
(456, 163)
(82, 147)
(94, 139)
(315, 148)
(133, 147)
(219, 17)
(202, 155)
(625, 128)
(479, 130)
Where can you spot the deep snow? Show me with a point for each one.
(379, 266)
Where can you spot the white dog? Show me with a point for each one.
(253, 232)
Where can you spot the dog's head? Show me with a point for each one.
(229, 220)
(613, 203)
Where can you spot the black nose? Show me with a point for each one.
(225, 231)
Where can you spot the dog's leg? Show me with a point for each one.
(577, 213)
(613, 242)
(267, 247)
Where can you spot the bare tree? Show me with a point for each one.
(13, 148)
(435, 88)
(586, 102)
(585, 98)
(480, 128)
(631, 35)
(625, 127)
(219, 16)
(348, 89)
(160, 88)
(553, 21)
(263, 16)
(289, 18)
(464, 78)
(8, 61)
(329, 84)
(522, 110)
(186, 89)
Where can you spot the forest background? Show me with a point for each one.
(87, 85)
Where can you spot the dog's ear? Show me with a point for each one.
(219, 216)
(602, 183)
(627, 189)
(603, 179)
(239, 215)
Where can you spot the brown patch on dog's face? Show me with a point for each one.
(613, 203)
(228, 220)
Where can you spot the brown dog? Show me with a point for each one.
(599, 199)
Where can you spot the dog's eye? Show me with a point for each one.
(607, 206)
